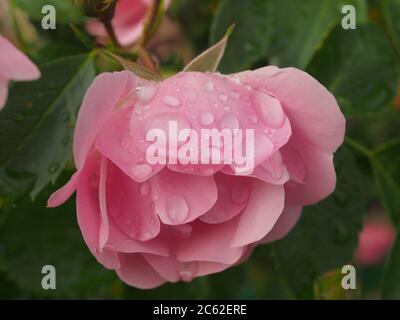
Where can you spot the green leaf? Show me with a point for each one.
(359, 67)
(391, 281)
(66, 11)
(386, 168)
(135, 68)
(36, 125)
(391, 15)
(34, 236)
(326, 234)
(285, 32)
(210, 59)
(329, 287)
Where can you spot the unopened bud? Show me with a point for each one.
(104, 10)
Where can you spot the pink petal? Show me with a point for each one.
(105, 94)
(62, 195)
(233, 196)
(286, 221)
(180, 199)
(88, 212)
(320, 180)
(104, 225)
(130, 206)
(210, 243)
(311, 108)
(14, 65)
(137, 272)
(116, 143)
(262, 212)
(119, 241)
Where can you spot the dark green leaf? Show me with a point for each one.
(36, 125)
(285, 32)
(391, 15)
(359, 68)
(66, 11)
(391, 281)
(34, 236)
(327, 233)
(386, 167)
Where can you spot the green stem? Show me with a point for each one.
(359, 147)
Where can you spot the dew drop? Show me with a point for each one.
(53, 168)
(206, 118)
(270, 110)
(235, 95)
(223, 97)
(253, 118)
(208, 86)
(188, 271)
(145, 93)
(141, 171)
(171, 101)
(177, 209)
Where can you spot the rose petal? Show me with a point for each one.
(88, 213)
(180, 199)
(137, 272)
(130, 206)
(105, 93)
(14, 65)
(262, 212)
(286, 221)
(233, 196)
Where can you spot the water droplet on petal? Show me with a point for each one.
(270, 110)
(144, 188)
(208, 86)
(188, 271)
(145, 235)
(145, 93)
(141, 171)
(223, 97)
(171, 101)
(253, 118)
(177, 209)
(235, 95)
(206, 118)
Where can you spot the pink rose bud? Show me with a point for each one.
(157, 202)
(14, 65)
(128, 21)
(375, 241)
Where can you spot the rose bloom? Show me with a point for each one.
(128, 21)
(374, 241)
(14, 65)
(165, 223)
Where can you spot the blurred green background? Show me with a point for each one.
(360, 67)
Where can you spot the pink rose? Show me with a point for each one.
(14, 65)
(127, 22)
(154, 223)
(375, 241)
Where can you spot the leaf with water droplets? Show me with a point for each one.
(35, 125)
(210, 59)
(135, 68)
